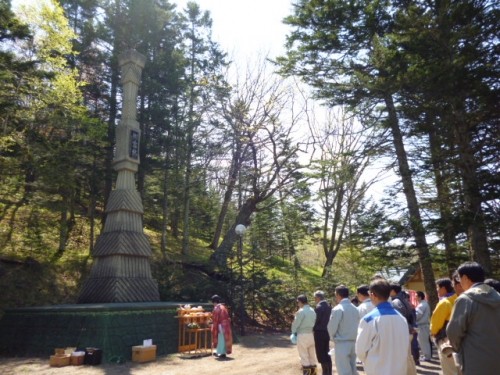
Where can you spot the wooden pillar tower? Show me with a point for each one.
(121, 270)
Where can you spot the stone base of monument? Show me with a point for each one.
(114, 328)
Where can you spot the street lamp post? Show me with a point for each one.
(240, 231)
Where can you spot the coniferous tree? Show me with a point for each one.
(350, 62)
(448, 50)
(56, 126)
(16, 75)
(205, 62)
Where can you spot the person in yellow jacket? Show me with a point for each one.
(439, 319)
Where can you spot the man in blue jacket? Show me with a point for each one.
(382, 343)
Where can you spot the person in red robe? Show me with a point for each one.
(222, 336)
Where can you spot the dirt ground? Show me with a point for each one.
(267, 354)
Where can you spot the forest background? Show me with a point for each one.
(408, 87)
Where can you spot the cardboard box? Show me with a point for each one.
(59, 360)
(141, 353)
(77, 358)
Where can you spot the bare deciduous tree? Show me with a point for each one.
(345, 150)
(263, 116)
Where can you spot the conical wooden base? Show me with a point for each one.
(115, 289)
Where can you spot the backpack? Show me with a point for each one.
(409, 312)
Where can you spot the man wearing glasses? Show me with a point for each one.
(474, 327)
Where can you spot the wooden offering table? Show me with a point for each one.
(195, 339)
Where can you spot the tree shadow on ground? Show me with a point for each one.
(432, 367)
(256, 341)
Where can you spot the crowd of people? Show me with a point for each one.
(386, 334)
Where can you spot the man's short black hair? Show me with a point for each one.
(342, 291)
(445, 283)
(363, 290)
(421, 295)
(381, 288)
(216, 299)
(302, 299)
(473, 270)
(396, 287)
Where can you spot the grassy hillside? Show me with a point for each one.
(271, 284)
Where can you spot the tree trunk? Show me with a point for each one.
(91, 213)
(327, 267)
(164, 219)
(473, 212)
(94, 189)
(187, 195)
(444, 200)
(233, 175)
(66, 223)
(332, 246)
(335, 247)
(324, 241)
(412, 203)
(188, 157)
(176, 175)
(288, 229)
(63, 232)
(176, 214)
(219, 257)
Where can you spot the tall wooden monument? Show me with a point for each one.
(121, 271)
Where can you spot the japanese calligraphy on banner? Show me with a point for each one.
(134, 144)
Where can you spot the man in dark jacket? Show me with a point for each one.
(401, 303)
(474, 327)
(320, 331)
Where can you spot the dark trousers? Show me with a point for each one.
(414, 348)
(322, 346)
